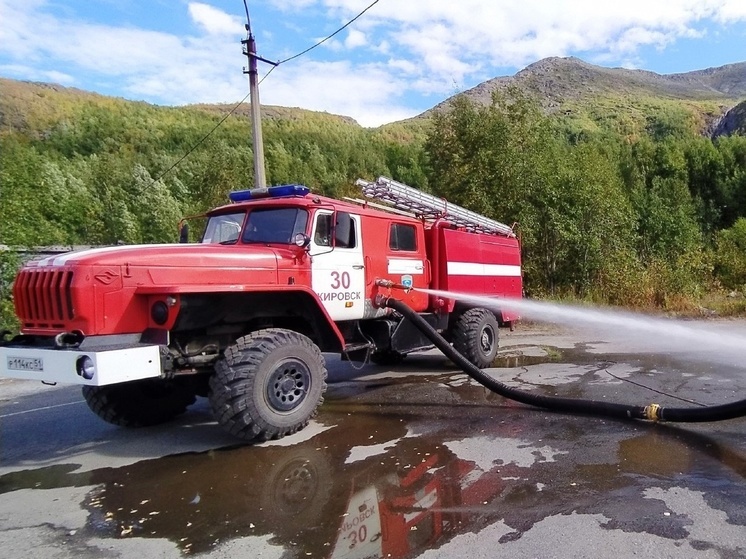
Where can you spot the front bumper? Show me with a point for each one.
(109, 366)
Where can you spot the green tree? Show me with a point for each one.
(507, 161)
(155, 209)
(23, 200)
(704, 165)
(732, 185)
(9, 265)
(656, 178)
(730, 255)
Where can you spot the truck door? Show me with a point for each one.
(337, 264)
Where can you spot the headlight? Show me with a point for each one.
(85, 367)
(159, 312)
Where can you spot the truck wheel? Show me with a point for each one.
(269, 384)
(387, 357)
(475, 336)
(139, 403)
(298, 483)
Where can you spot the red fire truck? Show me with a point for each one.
(280, 276)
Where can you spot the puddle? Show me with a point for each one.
(410, 462)
(424, 479)
(514, 359)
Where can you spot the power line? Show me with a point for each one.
(195, 146)
(325, 39)
(321, 42)
(233, 110)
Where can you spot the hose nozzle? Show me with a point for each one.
(390, 284)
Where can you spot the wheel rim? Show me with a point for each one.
(487, 340)
(299, 484)
(288, 385)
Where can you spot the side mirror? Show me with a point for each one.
(302, 240)
(184, 233)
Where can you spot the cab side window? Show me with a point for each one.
(322, 235)
(402, 236)
(344, 231)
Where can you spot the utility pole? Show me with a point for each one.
(249, 49)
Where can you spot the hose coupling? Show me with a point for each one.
(652, 412)
(390, 284)
(381, 301)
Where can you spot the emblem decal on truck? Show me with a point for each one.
(106, 277)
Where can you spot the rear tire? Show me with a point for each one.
(140, 403)
(475, 336)
(268, 384)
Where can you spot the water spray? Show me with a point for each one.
(650, 412)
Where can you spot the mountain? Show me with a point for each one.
(733, 122)
(582, 90)
(557, 80)
(34, 106)
(272, 112)
(586, 96)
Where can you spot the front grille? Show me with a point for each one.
(43, 298)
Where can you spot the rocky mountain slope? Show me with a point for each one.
(571, 85)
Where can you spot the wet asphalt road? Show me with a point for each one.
(421, 462)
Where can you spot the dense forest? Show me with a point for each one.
(650, 214)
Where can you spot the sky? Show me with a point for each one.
(397, 60)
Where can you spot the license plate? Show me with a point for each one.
(25, 364)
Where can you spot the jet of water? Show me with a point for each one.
(653, 334)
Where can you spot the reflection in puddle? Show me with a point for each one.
(408, 493)
(515, 359)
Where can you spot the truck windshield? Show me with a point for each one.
(224, 228)
(274, 225)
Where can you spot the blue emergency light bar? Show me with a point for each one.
(269, 192)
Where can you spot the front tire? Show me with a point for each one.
(298, 483)
(269, 384)
(475, 336)
(139, 403)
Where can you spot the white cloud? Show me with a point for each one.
(156, 66)
(367, 93)
(292, 5)
(731, 11)
(214, 21)
(30, 73)
(355, 38)
(509, 33)
(59, 77)
(114, 51)
(15, 30)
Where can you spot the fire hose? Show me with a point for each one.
(652, 412)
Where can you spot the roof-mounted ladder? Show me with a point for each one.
(427, 206)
